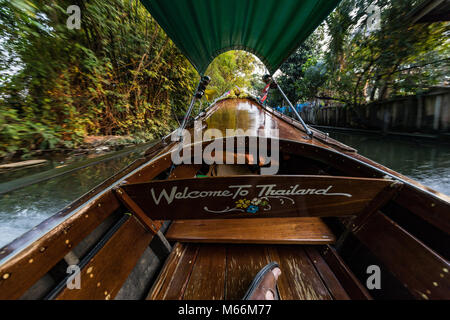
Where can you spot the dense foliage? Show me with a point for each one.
(355, 66)
(230, 69)
(120, 74)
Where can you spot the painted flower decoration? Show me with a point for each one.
(242, 203)
(264, 203)
(253, 209)
(256, 202)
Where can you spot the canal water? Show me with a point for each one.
(22, 209)
(423, 160)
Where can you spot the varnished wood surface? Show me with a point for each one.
(226, 271)
(243, 263)
(434, 211)
(150, 171)
(151, 225)
(335, 196)
(104, 275)
(270, 231)
(207, 278)
(354, 288)
(175, 274)
(424, 273)
(23, 270)
(22, 267)
(328, 276)
(185, 171)
(27, 265)
(301, 281)
(248, 116)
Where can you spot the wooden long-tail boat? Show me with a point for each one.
(202, 229)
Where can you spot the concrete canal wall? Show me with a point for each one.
(428, 113)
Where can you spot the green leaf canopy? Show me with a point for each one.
(270, 29)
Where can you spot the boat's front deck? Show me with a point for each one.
(225, 271)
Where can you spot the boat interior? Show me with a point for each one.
(127, 249)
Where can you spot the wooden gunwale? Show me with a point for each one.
(35, 257)
(352, 153)
(64, 214)
(25, 248)
(83, 203)
(104, 274)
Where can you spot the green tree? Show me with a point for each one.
(398, 59)
(358, 66)
(230, 69)
(293, 78)
(118, 74)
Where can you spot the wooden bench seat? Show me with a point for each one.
(225, 271)
(269, 231)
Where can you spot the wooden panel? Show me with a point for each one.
(270, 230)
(106, 272)
(422, 271)
(226, 272)
(207, 281)
(23, 270)
(284, 286)
(327, 275)
(173, 279)
(243, 263)
(151, 170)
(380, 200)
(185, 171)
(27, 266)
(345, 276)
(152, 226)
(60, 217)
(299, 279)
(274, 196)
(432, 210)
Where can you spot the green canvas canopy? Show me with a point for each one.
(270, 29)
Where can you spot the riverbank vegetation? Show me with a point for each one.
(119, 74)
(347, 62)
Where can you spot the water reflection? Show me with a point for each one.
(245, 115)
(23, 209)
(424, 161)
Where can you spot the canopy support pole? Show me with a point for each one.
(308, 131)
(199, 92)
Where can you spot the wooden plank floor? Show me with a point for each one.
(225, 271)
(287, 231)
